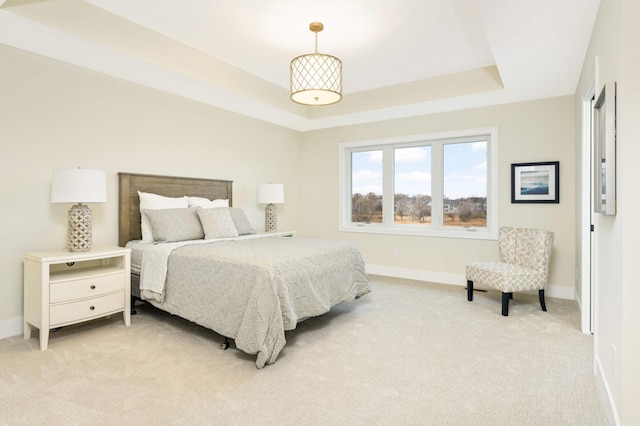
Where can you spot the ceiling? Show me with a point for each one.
(400, 58)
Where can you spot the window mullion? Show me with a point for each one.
(437, 185)
(346, 183)
(388, 185)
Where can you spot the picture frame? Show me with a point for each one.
(535, 182)
(604, 149)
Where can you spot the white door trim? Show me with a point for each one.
(586, 301)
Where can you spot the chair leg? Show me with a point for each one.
(541, 295)
(505, 303)
(469, 290)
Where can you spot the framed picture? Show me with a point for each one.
(535, 182)
(604, 148)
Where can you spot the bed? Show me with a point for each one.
(252, 287)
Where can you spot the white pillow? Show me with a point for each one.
(206, 203)
(217, 223)
(150, 201)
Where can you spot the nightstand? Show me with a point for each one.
(63, 288)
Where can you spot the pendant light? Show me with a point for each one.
(316, 78)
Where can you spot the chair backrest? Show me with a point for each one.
(526, 247)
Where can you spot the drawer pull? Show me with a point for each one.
(93, 287)
(92, 307)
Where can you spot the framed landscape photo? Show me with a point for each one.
(535, 182)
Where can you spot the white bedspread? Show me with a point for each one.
(253, 291)
(155, 258)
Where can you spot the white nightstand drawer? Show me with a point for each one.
(87, 287)
(77, 311)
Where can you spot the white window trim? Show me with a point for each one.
(344, 192)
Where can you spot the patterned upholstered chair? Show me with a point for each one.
(525, 255)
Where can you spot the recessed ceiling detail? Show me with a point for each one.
(400, 59)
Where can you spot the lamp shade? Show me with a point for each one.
(271, 193)
(316, 78)
(78, 186)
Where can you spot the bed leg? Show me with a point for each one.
(133, 304)
(224, 346)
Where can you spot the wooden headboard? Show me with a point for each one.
(169, 186)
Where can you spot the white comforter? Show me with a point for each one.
(254, 290)
(153, 265)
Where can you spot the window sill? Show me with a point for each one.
(463, 233)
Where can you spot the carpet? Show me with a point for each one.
(409, 353)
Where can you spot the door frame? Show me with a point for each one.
(587, 258)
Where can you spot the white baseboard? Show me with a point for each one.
(560, 292)
(11, 327)
(605, 390)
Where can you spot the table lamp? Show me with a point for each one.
(270, 194)
(79, 186)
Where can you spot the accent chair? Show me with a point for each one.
(525, 255)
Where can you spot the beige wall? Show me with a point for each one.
(54, 115)
(617, 248)
(529, 131)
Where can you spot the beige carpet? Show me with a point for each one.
(409, 353)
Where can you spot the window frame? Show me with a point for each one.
(437, 142)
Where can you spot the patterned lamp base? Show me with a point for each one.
(79, 228)
(270, 218)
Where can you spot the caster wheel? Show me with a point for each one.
(224, 346)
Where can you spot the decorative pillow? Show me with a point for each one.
(242, 224)
(149, 201)
(207, 204)
(170, 225)
(217, 223)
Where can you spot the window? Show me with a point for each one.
(441, 184)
